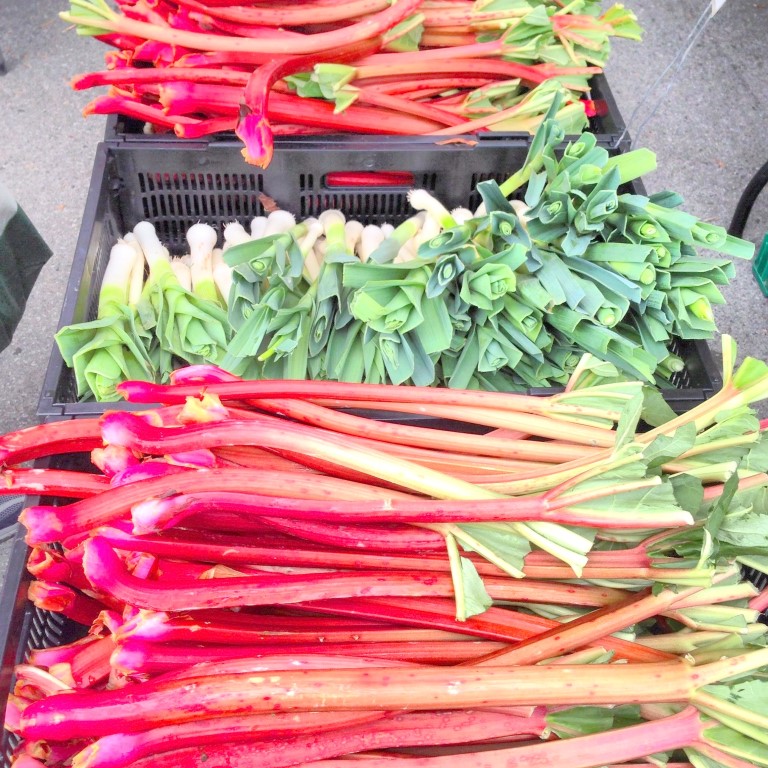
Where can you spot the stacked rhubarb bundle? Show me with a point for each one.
(371, 66)
(266, 580)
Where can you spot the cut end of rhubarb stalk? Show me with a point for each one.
(42, 523)
(256, 133)
(113, 459)
(203, 410)
(202, 374)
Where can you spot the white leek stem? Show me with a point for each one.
(278, 223)
(154, 251)
(234, 234)
(307, 247)
(117, 277)
(462, 215)
(352, 232)
(429, 229)
(137, 280)
(407, 252)
(333, 222)
(222, 276)
(387, 229)
(202, 240)
(521, 211)
(422, 200)
(183, 273)
(137, 274)
(370, 239)
(319, 250)
(258, 225)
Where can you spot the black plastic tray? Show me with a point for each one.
(607, 125)
(174, 185)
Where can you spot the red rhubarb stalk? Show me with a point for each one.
(293, 14)
(144, 657)
(494, 624)
(59, 598)
(164, 702)
(122, 749)
(47, 523)
(178, 592)
(52, 482)
(392, 731)
(532, 424)
(614, 746)
(90, 665)
(239, 629)
(132, 75)
(50, 439)
(146, 392)
(254, 128)
(591, 627)
(369, 27)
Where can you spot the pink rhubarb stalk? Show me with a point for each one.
(52, 482)
(391, 731)
(122, 749)
(167, 701)
(614, 746)
(49, 439)
(49, 523)
(501, 624)
(64, 600)
(179, 592)
(369, 27)
(293, 14)
(137, 656)
(253, 127)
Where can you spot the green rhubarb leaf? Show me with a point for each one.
(665, 448)
(689, 492)
(476, 598)
(656, 410)
(405, 36)
(583, 720)
(737, 745)
(742, 528)
(628, 421)
(505, 546)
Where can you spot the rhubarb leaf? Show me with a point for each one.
(583, 720)
(656, 410)
(497, 543)
(665, 448)
(476, 598)
(689, 492)
(628, 421)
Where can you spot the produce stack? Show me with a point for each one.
(372, 590)
(326, 522)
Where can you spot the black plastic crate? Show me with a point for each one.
(606, 123)
(174, 185)
(23, 627)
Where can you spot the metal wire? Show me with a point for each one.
(673, 69)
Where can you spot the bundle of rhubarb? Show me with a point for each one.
(370, 66)
(264, 578)
(505, 297)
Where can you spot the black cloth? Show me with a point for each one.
(23, 253)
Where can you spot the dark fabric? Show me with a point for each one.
(23, 253)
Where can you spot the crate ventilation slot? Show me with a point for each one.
(374, 207)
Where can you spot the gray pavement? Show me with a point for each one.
(710, 134)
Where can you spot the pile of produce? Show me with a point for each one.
(504, 298)
(441, 67)
(264, 580)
